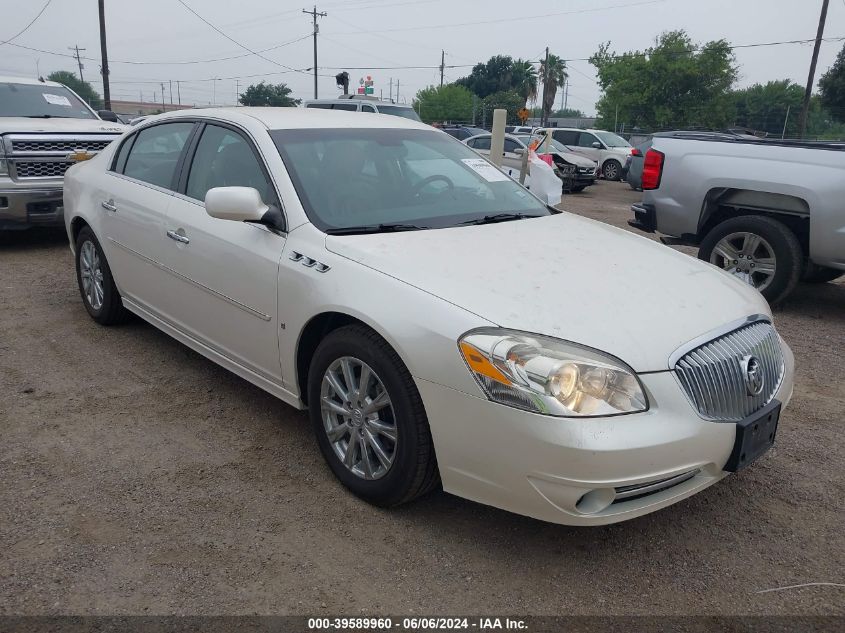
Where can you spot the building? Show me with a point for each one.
(139, 108)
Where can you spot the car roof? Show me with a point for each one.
(8, 79)
(376, 102)
(298, 118)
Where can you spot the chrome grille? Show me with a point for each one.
(34, 145)
(714, 379)
(41, 169)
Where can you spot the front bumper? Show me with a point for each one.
(580, 472)
(21, 208)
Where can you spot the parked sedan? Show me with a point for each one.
(439, 322)
(462, 132)
(576, 172)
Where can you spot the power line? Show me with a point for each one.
(31, 22)
(234, 41)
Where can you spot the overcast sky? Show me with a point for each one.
(385, 33)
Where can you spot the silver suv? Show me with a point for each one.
(360, 103)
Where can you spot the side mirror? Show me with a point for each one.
(239, 204)
(107, 115)
(597, 145)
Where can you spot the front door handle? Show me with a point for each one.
(109, 205)
(183, 239)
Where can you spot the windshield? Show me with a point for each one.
(612, 140)
(369, 177)
(405, 113)
(27, 100)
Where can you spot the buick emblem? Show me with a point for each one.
(754, 378)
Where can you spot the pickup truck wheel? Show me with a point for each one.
(96, 284)
(612, 170)
(369, 418)
(814, 274)
(759, 250)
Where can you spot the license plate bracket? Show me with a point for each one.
(754, 436)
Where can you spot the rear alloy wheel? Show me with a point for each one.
(612, 170)
(369, 418)
(759, 250)
(96, 285)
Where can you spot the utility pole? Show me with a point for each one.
(315, 14)
(105, 57)
(237, 91)
(163, 105)
(390, 98)
(76, 49)
(397, 90)
(179, 91)
(786, 122)
(170, 81)
(812, 78)
(442, 66)
(545, 88)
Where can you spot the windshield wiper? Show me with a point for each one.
(501, 217)
(375, 228)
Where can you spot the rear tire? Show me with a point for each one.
(814, 274)
(578, 189)
(338, 411)
(772, 236)
(96, 284)
(612, 170)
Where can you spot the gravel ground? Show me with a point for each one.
(136, 477)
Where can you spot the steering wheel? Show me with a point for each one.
(426, 181)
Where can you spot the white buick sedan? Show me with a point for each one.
(440, 323)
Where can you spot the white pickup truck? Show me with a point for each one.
(768, 211)
(44, 129)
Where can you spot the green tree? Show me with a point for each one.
(444, 103)
(764, 107)
(524, 80)
(509, 100)
(494, 75)
(554, 77)
(674, 84)
(82, 88)
(264, 94)
(832, 88)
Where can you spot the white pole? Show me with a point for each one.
(497, 143)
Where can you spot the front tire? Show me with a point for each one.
(96, 284)
(369, 418)
(612, 170)
(761, 251)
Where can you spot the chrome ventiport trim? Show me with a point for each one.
(639, 490)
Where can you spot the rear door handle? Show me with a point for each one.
(183, 239)
(109, 205)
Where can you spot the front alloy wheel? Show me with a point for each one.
(91, 275)
(358, 418)
(369, 418)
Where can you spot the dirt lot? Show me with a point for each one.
(140, 478)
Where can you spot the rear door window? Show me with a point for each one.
(156, 152)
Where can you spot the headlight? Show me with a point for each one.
(550, 376)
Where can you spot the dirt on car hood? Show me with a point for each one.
(568, 277)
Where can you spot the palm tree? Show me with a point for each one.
(554, 79)
(524, 79)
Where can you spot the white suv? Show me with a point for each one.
(609, 150)
(357, 103)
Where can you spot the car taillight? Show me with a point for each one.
(652, 169)
(636, 152)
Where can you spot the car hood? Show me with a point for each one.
(568, 277)
(576, 159)
(63, 126)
